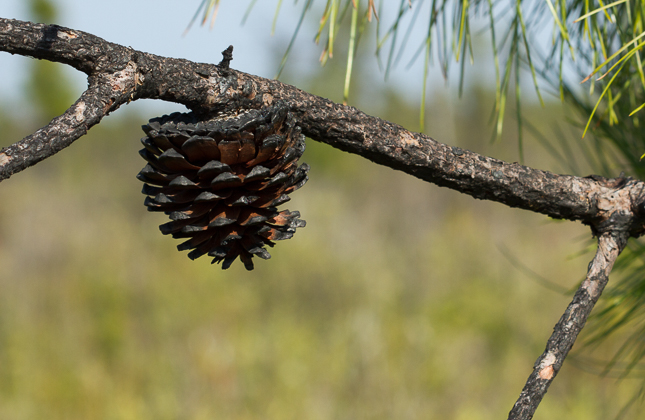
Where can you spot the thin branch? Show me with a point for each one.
(105, 94)
(565, 332)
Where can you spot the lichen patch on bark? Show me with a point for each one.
(267, 99)
(212, 91)
(67, 35)
(408, 139)
(591, 286)
(79, 111)
(125, 79)
(546, 367)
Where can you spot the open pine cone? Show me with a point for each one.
(220, 180)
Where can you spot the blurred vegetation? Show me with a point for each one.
(48, 87)
(393, 302)
(554, 46)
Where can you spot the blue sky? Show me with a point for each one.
(157, 27)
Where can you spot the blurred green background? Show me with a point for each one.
(395, 302)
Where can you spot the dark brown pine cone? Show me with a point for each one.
(221, 180)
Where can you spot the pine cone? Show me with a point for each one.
(220, 180)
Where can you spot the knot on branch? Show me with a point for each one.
(621, 206)
(638, 209)
(227, 57)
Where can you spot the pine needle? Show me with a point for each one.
(350, 54)
(600, 9)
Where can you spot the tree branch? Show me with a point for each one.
(85, 52)
(565, 332)
(207, 88)
(105, 94)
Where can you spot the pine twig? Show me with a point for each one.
(565, 332)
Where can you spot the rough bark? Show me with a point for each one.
(565, 332)
(62, 131)
(208, 88)
(612, 207)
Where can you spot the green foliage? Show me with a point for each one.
(579, 31)
(449, 37)
(43, 10)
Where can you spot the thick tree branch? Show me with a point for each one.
(565, 332)
(85, 52)
(208, 88)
